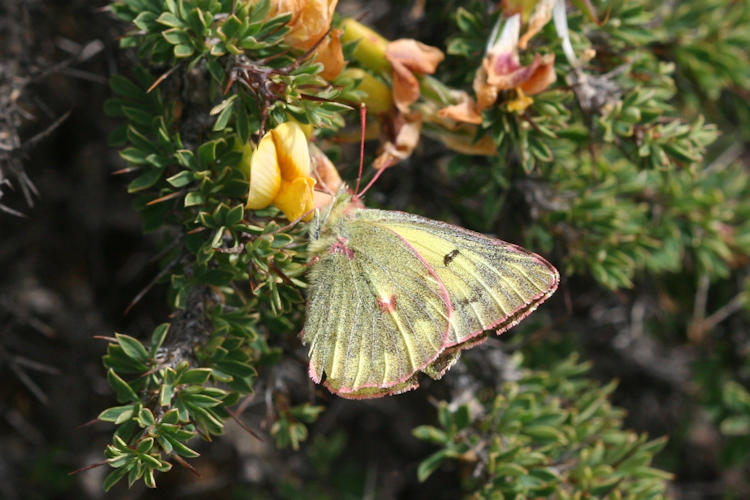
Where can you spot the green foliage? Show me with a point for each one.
(188, 180)
(549, 433)
(709, 43)
(167, 403)
(728, 403)
(622, 189)
(289, 429)
(609, 171)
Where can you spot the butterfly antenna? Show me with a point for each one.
(362, 122)
(372, 181)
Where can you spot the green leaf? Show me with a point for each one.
(197, 376)
(166, 393)
(234, 215)
(158, 336)
(186, 158)
(176, 36)
(122, 389)
(201, 400)
(138, 116)
(146, 21)
(545, 433)
(148, 478)
(509, 469)
(194, 198)
(114, 477)
(207, 153)
(125, 88)
(170, 19)
(181, 449)
(736, 425)
(134, 155)
(145, 445)
(236, 368)
(223, 119)
(132, 347)
(306, 412)
(148, 178)
(430, 465)
(230, 27)
(116, 414)
(430, 433)
(146, 417)
(182, 51)
(462, 417)
(181, 179)
(259, 11)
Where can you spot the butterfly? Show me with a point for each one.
(392, 294)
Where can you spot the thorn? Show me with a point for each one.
(164, 198)
(163, 77)
(184, 463)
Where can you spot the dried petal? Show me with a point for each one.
(310, 20)
(330, 55)
(295, 198)
(539, 18)
(542, 77)
(321, 199)
(486, 94)
(408, 129)
(502, 70)
(408, 57)
(416, 56)
(324, 171)
(463, 141)
(405, 87)
(464, 111)
(265, 175)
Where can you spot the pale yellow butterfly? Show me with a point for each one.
(393, 294)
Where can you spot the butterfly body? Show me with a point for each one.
(394, 294)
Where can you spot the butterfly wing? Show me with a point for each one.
(492, 284)
(376, 311)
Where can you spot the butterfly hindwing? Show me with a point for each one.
(393, 294)
(377, 313)
(492, 284)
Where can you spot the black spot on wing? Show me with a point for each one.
(448, 258)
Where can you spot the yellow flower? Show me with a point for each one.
(279, 172)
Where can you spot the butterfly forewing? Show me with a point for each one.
(377, 313)
(492, 284)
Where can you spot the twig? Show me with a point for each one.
(697, 327)
(153, 282)
(725, 311)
